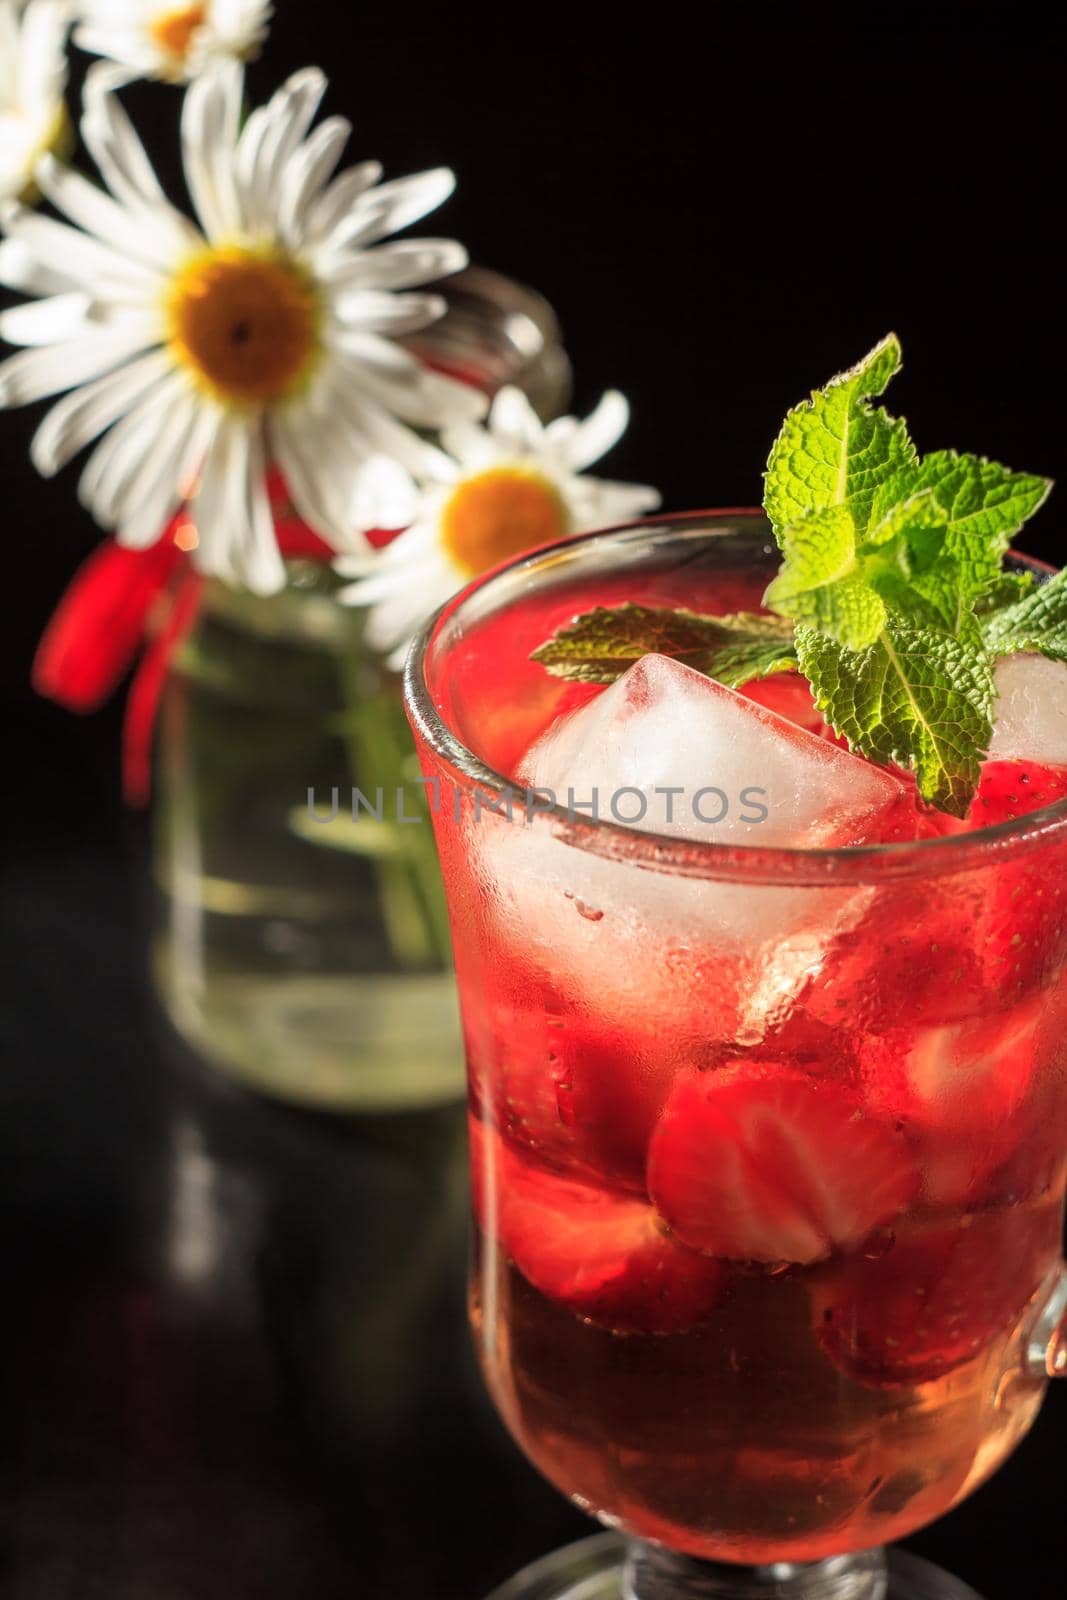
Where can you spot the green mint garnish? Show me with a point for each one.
(917, 697)
(1005, 591)
(891, 597)
(1037, 623)
(600, 645)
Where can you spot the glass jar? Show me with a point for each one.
(300, 942)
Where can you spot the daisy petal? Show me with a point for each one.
(44, 321)
(232, 510)
(152, 494)
(337, 200)
(76, 420)
(9, 53)
(114, 146)
(119, 459)
(385, 495)
(307, 173)
(269, 138)
(392, 314)
(469, 444)
(391, 438)
(35, 374)
(42, 60)
(210, 117)
(208, 506)
(598, 503)
(513, 420)
(20, 270)
(82, 261)
(261, 563)
(395, 379)
(403, 265)
(598, 433)
(298, 449)
(144, 236)
(396, 205)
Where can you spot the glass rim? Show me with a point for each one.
(699, 858)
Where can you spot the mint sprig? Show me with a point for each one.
(891, 597)
(916, 697)
(601, 645)
(1037, 623)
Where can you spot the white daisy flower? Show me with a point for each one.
(205, 353)
(33, 76)
(499, 490)
(170, 40)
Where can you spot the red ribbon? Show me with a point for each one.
(122, 601)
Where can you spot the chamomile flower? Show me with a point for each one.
(205, 352)
(33, 76)
(492, 492)
(168, 39)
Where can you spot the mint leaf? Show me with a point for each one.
(1006, 590)
(957, 554)
(888, 561)
(600, 645)
(917, 697)
(983, 502)
(836, 449)
(844, 606)
(820, 582)
(1037, 623)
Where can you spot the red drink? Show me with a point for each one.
(768, 1142)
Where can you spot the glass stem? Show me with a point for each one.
(652, 1573)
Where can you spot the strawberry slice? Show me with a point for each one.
(998, 930)
(577, 1095)
(1023, 933)
(913, 955)
(600, 1254)
(960, 1093)
(760, 1163)
(1009, 789)
(937, 1297)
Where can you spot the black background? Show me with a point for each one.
(725, 205)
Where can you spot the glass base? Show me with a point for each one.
(606, 1567)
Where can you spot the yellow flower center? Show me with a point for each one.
(174, 30)
(498, 514)
(245, 323)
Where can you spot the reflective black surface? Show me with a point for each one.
(235, 1359)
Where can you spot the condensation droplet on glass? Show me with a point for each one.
(590, 913)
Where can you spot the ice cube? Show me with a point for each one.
(1030, 721)
(652, 944)
(740, 774)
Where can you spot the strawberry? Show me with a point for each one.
(938, 1296)
(577, 1096)
(760, 1163)
(603, 1255)
(1023, 929)
(996, 930)
(1009, 789)
(959, 1093)
(912, 956)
